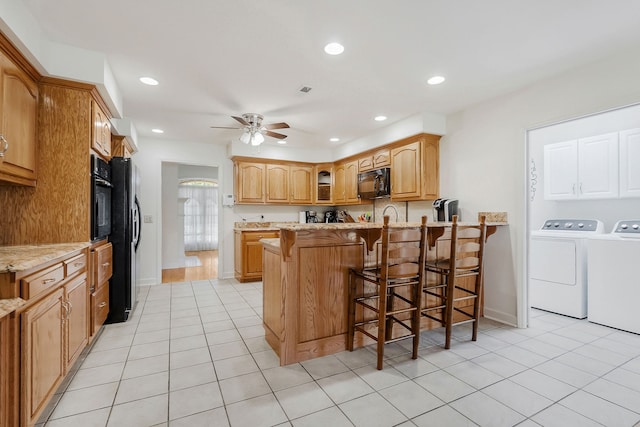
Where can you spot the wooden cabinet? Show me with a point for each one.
(121, 146)
(585, 168)
(18, 120)
(324, 184)
(379, 159)
(100, 132)
(43, 355)
(51, 328)
(629, 161)
(414, 168)
(277, 183)
(346, 183)
(101, 271)
(273, 183)
(250, 182)
(248, 253)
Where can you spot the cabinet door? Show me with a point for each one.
(43, 362)
(351, 182)
(629, 163)
(277, 184)
(250, 183)
(365, 163)
(598, 166)
(561, 170)
(300, 178)
(340, 196)
(18, 112)
(101, 132)
(381, 158)
(406, 171)
(99, 303)
(76, 306)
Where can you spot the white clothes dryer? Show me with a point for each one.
(558, 265)
(614, 281)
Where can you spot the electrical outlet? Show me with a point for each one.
(262, 217)
(148, 219)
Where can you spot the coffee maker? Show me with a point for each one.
(312, 217)
(445, 209)
(330, 216)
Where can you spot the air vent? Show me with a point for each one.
(305, 89)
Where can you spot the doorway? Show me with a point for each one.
(190, 202)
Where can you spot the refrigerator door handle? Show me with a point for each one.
(137, 223)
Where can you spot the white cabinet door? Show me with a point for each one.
(561, 170)
(630, 163)
(598, 166)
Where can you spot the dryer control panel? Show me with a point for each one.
(628, 228)
(571, 224)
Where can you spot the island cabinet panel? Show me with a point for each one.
(322, 309)
(273, 303)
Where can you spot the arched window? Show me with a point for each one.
(200, 214)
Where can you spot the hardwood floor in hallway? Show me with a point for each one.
(208, 269)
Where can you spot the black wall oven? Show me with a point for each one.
(100, 198)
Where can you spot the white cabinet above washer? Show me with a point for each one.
(629, 161)
(585, 168)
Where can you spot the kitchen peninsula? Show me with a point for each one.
(305, 279)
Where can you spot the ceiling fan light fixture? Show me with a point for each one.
(257, 138)
(245, 137)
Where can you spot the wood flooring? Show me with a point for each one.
(208, 269)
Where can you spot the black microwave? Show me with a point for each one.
(374, 184)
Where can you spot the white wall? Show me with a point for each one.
(483, 159)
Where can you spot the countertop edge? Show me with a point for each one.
(14, 259)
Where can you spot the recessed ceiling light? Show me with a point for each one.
(334, 48)
(157, 131)
(435, 80)
(334, 139)
(380, 118)
(149, 81)
(282, 141)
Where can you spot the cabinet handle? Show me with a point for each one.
(70, 306)
(45, 281)
(78, 264)
(106, 264)
(66, 309)
(4, 142)
(102, 304)
(580, 188)
(573, 189)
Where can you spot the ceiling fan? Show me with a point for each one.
(254, 130)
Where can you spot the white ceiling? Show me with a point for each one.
(217, 58)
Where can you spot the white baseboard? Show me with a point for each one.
(149, 281)
(500, 316)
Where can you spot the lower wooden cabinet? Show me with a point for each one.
(76, 306)
(99, 307)
(43, 355)
(248, 254)
(101, 271)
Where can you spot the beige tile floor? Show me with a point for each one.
(193, 354)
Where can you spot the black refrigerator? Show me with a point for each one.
(125, 238)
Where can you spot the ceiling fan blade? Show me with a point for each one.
(274, 134)
(241, 120)
(281, 125)
(223, 127)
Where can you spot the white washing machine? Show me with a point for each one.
(558, 265)
(614, 280)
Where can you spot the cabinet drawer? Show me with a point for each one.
(99, 307)
(254, 236)
(41, 281)
(102, 264)
(75, 264)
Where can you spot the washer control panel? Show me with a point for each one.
(571, 224)
(628, 228)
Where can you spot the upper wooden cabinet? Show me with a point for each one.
(324, 186)
(101, 132)
(276, 183)
(250, 182)
(18, 120)
(346, 183)
(300, 179)
(379, 159)
(414, 168)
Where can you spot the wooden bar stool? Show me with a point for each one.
(454, 296)
(389, 294)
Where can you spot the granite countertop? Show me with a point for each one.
(275, 243)
(370, 225)
(24, 257)
(259, 226)
(9, 305)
